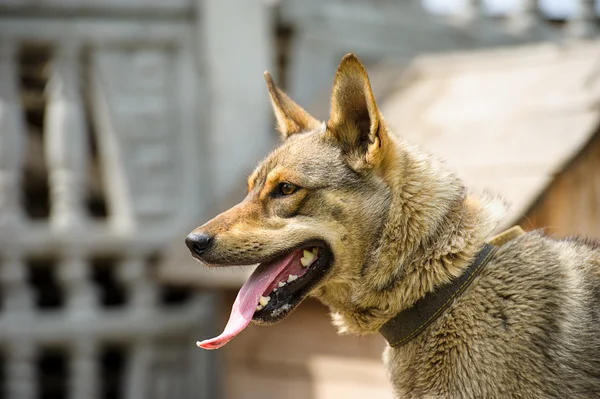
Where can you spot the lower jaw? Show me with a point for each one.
(277, 312)
(278, 308)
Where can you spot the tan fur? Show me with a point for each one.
(400, 224)
(291, 118)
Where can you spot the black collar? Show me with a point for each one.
(409, 323)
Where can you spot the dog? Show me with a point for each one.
(348, 213)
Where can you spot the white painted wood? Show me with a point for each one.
(118, 199)
(84, 371)
(66, 141)
(94, 30)
(193, 104)
(20, 370)
(162, 383)
(11, 138)
(205, 362)
(150, 136)
(120, 325)
(142, 292)
(240, 124)
(143, 76)
(110, 7)
(80, 293)
(17, 298)
(138, 376)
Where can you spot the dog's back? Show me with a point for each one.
(528, 327)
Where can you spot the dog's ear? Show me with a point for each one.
(354, 119)
(291, 118)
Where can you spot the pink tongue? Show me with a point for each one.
(246, 301)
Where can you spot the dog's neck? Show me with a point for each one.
(432, 232)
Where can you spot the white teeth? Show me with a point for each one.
(264, 300)
(291, 278)
(281, 284)
(308, 257)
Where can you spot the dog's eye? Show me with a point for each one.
(286, 188)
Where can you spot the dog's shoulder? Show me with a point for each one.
(535, 253)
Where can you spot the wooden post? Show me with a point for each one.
(138, 368)
(84, 374)
(11, 137)
(17, 296)
(66, 140)
(80, 294)
(132, 272)
(237, 46)
(20, 370)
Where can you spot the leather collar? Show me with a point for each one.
(409, 323)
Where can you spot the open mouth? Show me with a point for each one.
(304, 268)
(274, 289)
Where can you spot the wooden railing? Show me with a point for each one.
(66, 308)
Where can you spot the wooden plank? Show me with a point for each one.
(96, 30)
(571, 205)
(139, 8)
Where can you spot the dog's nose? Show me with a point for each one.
(198, 243)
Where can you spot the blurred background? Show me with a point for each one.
(124, 124)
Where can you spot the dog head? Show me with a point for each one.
(310, 204)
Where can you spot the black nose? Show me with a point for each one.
(198, 243)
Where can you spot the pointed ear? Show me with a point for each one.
(291, 118)
(354, 119)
